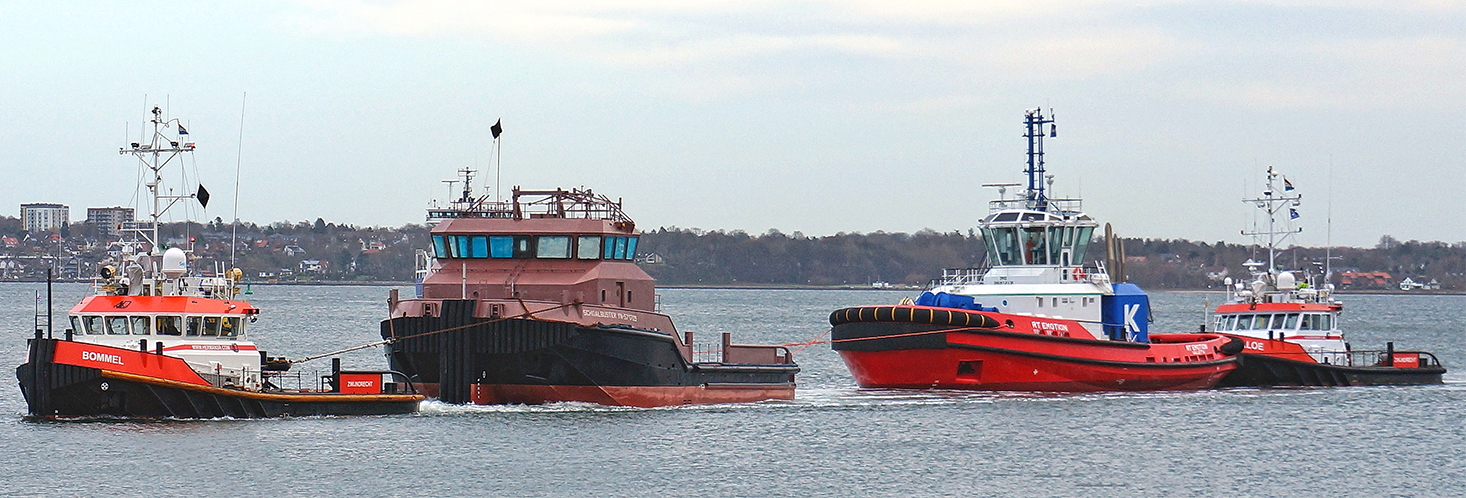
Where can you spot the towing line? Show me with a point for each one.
(394, 338)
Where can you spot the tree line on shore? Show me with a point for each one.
(322, 251)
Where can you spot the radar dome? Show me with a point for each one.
(175, 262)
(1286, 280)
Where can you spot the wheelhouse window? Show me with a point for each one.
(170, 325)
(1244, 322)
(76, 325)
(479, 245)
(1005, 247)
(630, 250)
(1292, 323)
(1260, 322)
(501, 246)
(229, 327)
(440, 247)
(140, 325)
(195, 326)
(460, 246)
(93, 325)
(588, 247)
(1278, 321)
(1033, 245)
(116, 325)
(211, 326)
(552, 247)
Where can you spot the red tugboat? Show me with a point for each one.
(156, 341)
(539, 300)
(1290, 326)
(1037, 319)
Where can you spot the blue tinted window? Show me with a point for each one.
(620, 247)
(501, 246)
(610, 248)
(439, 249)
(460, 243)
(480, 246)
(631, 248)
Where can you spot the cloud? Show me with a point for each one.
(1289, 53)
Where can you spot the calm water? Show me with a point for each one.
(833, 440)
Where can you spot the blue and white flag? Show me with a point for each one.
(1292, 214)
(1287, 185)
(182, 131)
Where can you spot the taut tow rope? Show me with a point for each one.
(394, 338)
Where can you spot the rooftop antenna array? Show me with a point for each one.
(1274, 202)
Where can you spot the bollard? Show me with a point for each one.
(70, 333)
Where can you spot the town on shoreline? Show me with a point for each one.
(326, 253)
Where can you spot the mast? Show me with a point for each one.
(1034, 120)
(155, 155)
(1272, 202)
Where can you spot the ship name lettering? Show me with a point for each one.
(1196, 348)
(611, 314)
(1256, 346)
(101, 357)
(1051, 326)
(359, 383)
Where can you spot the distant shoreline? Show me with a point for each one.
(389, 283)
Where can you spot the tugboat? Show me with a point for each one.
(1036, 319)
(157, 341)
(1289, 324)
(538, 299)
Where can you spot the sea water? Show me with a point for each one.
(834, 439)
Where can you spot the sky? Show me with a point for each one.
(814, 116)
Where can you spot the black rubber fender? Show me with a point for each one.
(1231, 348)
(913, 314)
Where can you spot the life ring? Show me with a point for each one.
(1078, 274)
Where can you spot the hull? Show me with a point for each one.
(525, 361)
(894, 352)
(1269, 363)
(54, 388)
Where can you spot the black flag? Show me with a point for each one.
(496, 129)
(203, 196)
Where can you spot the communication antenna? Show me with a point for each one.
(238, 160)
(1273, 202)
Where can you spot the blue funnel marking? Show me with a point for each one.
(1126, 315)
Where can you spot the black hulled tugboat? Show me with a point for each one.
(538, 299)
(1289, 323)
(157, 340)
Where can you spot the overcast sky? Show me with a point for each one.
(811, 116)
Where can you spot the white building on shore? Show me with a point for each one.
(44, 217)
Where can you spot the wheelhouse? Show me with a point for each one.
(550, 246)
(1258, 323)
(1031, 237)
(181, 317)
(162, 325)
